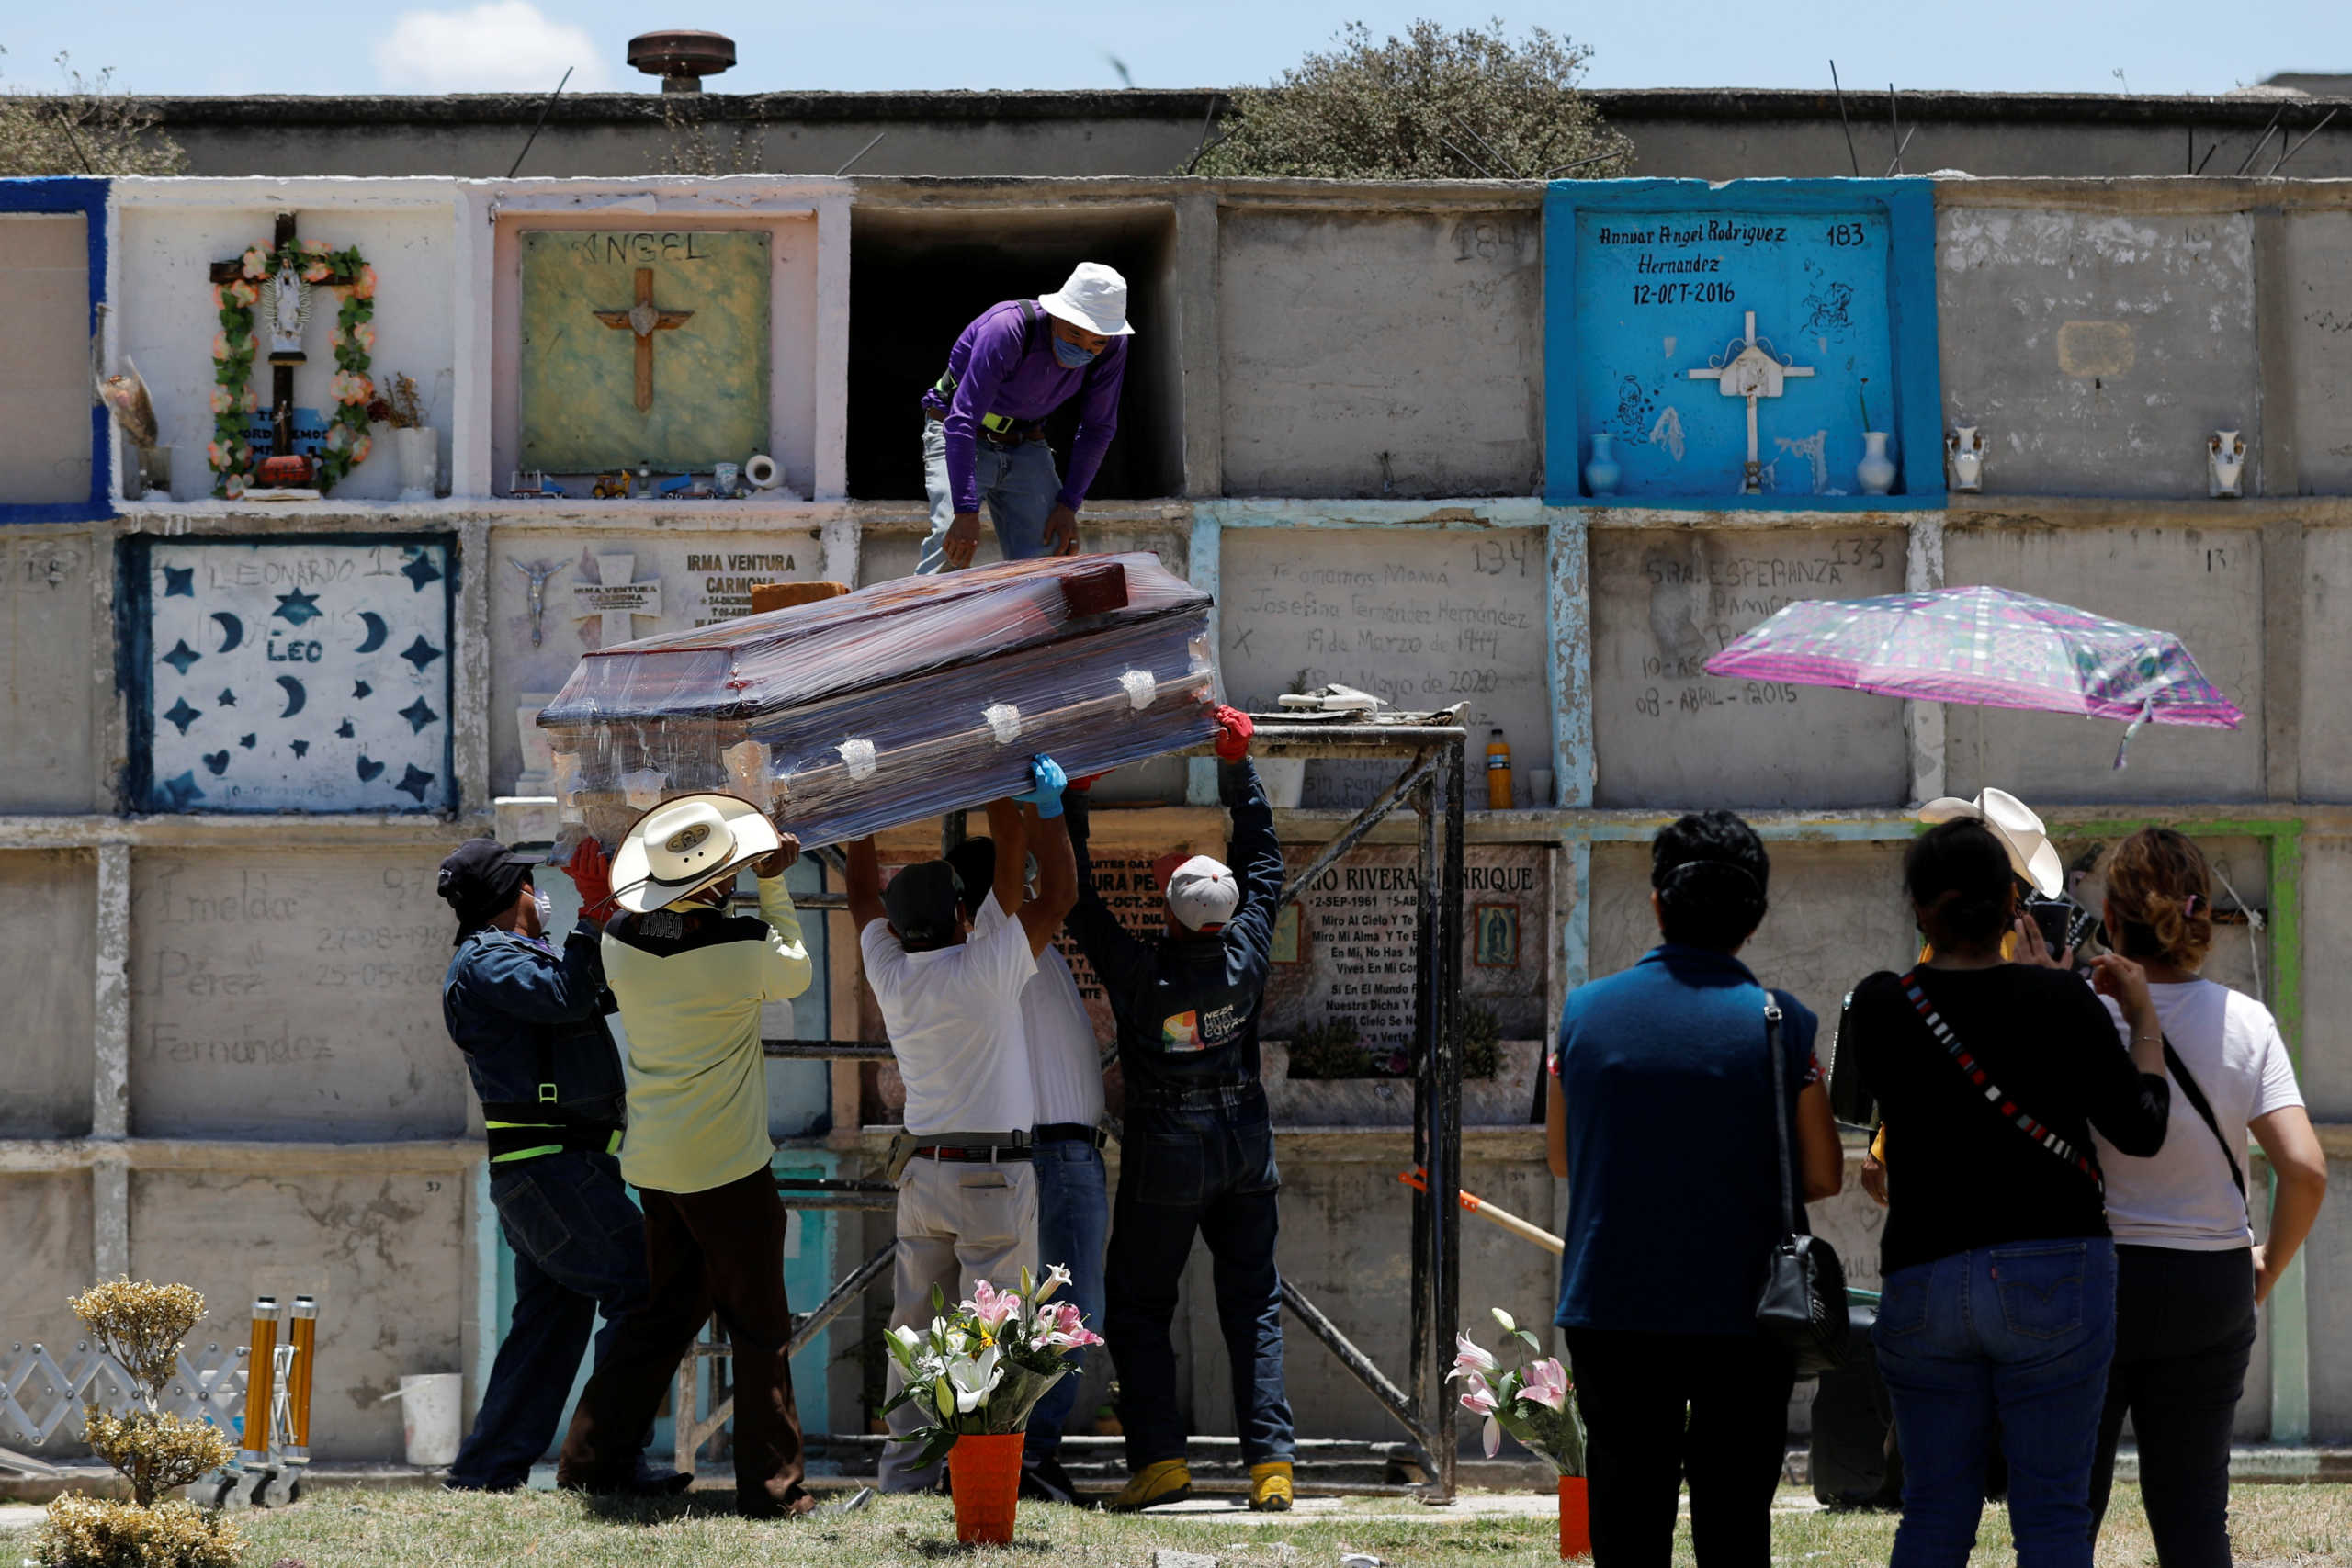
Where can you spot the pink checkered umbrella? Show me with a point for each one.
(1988, 646)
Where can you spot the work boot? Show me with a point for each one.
(1168, 1481)
(1270, 1487)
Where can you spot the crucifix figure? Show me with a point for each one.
(1754, 371)
(282, 313)
(644, 319)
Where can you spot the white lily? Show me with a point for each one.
(1056, 1278)
(974, 1378)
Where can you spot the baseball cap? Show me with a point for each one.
(921, 901)
(1201, 894)
(481, 877)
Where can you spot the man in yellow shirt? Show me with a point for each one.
(691, 979)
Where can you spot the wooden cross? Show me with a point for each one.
(1754, 372)
(281, 367)
(645, 319)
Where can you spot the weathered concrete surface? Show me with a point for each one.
(381, 1254)
(277, 993)
(2326, 1066)
(2099, 350)
(47, 969)
(2327, 1260)
(1667, 734)
(49, 710)
(2323, 739)
(2203, 583)
(1397, 353)
(2315, 278)
(47, 1221)
(44, 312)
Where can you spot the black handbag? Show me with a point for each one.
(1802, 1305)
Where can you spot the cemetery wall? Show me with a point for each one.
(1363, 417)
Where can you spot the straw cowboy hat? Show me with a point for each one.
(682, 846)
(1094, 300)
(2032, 854)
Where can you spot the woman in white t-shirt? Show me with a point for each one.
(2189, 1274)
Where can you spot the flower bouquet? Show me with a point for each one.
(977, 1373)
(1534, 1403)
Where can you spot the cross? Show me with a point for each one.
(645, 319)
(1754, 372)
(281, 365)
(614, 600)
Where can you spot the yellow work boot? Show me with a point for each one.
(1270, 1488)
(1169, 1481)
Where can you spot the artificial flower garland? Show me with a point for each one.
(234, 346)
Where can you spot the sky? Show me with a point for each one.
(171, 46)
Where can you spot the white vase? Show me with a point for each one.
(2225, 464)
(1875, 472)
(1284, 779)
(1967, 450)
(417, 453)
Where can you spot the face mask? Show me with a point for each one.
(1072, 356)
(546, 906)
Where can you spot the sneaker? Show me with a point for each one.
(1168, 1481)
(1046, 1481)
(1270, 1487)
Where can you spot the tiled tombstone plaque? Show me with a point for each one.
(290, 674)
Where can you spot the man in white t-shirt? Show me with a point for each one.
(1073, 1196)
(951, 1000)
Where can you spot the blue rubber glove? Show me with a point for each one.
(1046, 784)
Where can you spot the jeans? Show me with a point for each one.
(1658, 1407)
(1018, 483)
(720, 1248)
(2184, 1332)
(2020, 1334)
(1206, 1168)
(579, 1249)
(1073, 1219)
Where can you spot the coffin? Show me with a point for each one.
(910, 698)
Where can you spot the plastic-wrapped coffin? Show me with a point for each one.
(906, 699)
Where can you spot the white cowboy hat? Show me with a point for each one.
(683, 845)
(2032, 854)
(1095, 298)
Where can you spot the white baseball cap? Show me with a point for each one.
(2032, 854)
(1095, 298)
(1202, 893)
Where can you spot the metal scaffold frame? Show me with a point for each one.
(1431, 786)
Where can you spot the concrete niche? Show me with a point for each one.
(1394, 354)
(49, 970)
(47, 1221)
(2324, 736)
(918, 278)
(44, 319)
(2317, 284)
(1667, 734)
(284, 993)
(2099, 352)
(47, 704)
(2326, 1059)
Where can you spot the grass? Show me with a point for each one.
(2274, 1526)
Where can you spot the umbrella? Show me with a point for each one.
(1987, 646)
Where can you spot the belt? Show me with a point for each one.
(980, 1148)
(511, 1142)
(1229, 1096)
(1069, 1133)
(999, 430)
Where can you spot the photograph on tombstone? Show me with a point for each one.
(290, 674)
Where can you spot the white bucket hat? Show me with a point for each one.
(2032, 855)
(1095, 298)
(683, 845)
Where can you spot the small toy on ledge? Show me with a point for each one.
(532, 484)
(611, 487)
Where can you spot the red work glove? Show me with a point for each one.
(592, 874)
(1233, 743)
(1087, 781)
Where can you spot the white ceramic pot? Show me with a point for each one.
(1875, 472)
(417, 455)
(1284, 779)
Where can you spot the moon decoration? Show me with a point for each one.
(376, 632)
(295, 695)
(233, 630)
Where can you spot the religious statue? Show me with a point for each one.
(289, 312)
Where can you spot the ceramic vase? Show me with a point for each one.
(984, 1473)
(1875, 472)
(417, 453)
(1601, 474)
(1576, 1518)
(2225, 464)
(1967, 449)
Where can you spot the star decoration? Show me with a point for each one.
(344, 730)
(227, 699)
(179, 582)
(181, 714)
(414, 782)
(421, 570)
(360, 689)
(297, 607)
(420, 653)
(179, 793)
(418, 715)
(181, 656)
(248, 741)
(300, 748)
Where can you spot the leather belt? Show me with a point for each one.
(978, 1148)
(1069, 1133)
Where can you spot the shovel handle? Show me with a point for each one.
(1525, 1230)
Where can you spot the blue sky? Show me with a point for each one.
(2161, 46)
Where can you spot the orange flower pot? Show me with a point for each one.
(1576, 1518)
(984, 1472)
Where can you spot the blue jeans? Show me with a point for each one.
(1018, 482)
(2020, 1336)
(1206, 1168)
(579, 1249)
(1073, 1219)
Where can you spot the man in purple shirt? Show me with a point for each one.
(984, 433)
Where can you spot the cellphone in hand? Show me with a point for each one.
(2063, 923)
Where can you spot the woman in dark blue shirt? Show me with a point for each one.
(1661, 1117)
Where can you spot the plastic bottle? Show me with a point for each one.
(1498, 771)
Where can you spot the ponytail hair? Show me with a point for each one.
(2160, 895)
(1959, 881)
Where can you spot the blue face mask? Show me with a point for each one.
(1070, 355)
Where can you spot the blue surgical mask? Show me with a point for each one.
(1072, 356)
